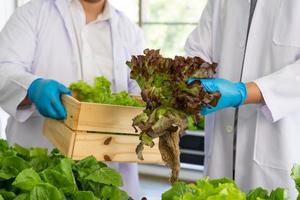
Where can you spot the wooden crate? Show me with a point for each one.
(84, 116)
(103, 131)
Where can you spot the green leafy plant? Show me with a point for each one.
(100, 92)
(205, 189)
(170, 101)
(32, 174)
(220, 189)
(296, 176)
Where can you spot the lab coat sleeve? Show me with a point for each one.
(281, 92)
(138, 48)
(17, 48)
(199, 42)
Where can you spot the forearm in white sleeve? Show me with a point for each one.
(281, 92)
(17, 48)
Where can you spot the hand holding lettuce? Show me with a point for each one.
(170, 101)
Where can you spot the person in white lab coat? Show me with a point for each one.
(253, 134)
(47, 44)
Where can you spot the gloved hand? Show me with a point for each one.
(45, 94)
(232, 94)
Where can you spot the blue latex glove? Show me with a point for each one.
(45, 94)
(232, 94)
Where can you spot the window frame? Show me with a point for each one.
(141, 22)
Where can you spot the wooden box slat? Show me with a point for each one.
(117, 148)
(83, 116)
(105, 147)
(59, 136)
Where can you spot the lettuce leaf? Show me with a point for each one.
(27, 179)
(107, 176)
(260, 193)
(45, 191)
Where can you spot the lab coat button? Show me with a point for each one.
(229, 129)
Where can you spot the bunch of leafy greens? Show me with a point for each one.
(100, 92)
(220, 189)
(169, 100)
(32, 174)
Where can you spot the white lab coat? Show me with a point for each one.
(268, 136)
(39, 39)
